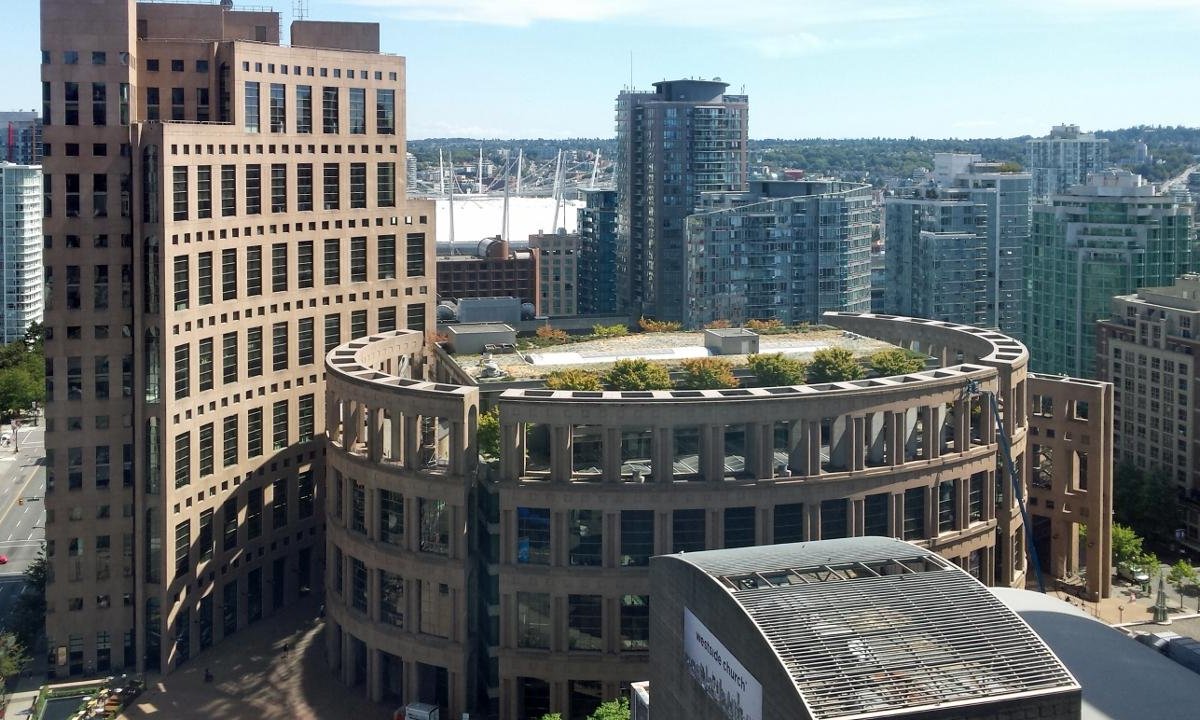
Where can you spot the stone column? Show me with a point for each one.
(412, 441)
(875, 434)
(374, 434)
(857, 521)
(798, 447)
(662, 454)
(560, 453)
(859, 449)
(813, 520)
(611, 454)
(712, 452)
(814, 447)
(841, 443)
(456, 460)
(933, 430)
(512, 450)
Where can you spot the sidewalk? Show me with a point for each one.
(1121, 610)
(254, 679)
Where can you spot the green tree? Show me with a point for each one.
(833, 365)
(13, 657)
(1181, 575)
(637, 374)
(27, 617)
(487, 434)
(551, 716)
(1145, 501)
(612, 710)
(896, 361)
(1126, 546)
(707, 374)
(775, 369)
(573, 379)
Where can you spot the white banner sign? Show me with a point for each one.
(725, 679)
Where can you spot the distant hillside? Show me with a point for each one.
(1172, 148)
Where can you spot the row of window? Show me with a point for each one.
(275, 188)
(231, 520)
(311, 71)
(301, 106)
(98, 95)
(100, 471)
(584, 622)
(204, 464)
(433, 605)
(433, 516)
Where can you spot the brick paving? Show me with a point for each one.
(253, 678)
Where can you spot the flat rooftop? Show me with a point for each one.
(668, 348)
(875, 626)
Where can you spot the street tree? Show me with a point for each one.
(612, 710)
(833, 365)
(1146, 501)
(1126, 546)
(1181, 575)
(775, 369)
(27, 617)
(13, 656)
(637, 374)
(487, 434)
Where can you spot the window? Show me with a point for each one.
(637, 537)
(331, 187)
(333, 261)
(152, 105)
(204, 541)
(385, 184)
(358, 323)
(229, 532)
(386, 253)
(183, 545)
(176, 66)
(385, 112)
(100, 380)
(229, 441)
(229, 274)
(585, 537)
(206, 449)
(279, 504)
(358, 111)
(205, 364)
(415, 254)
(387, 320)
(329, 110)
(358, 185)
(533, 536)
(254, 350)
(100, 195)
(833, 519)
(358, 585)
(204, 278)
(254, 270)
(228, 190)
(635, 622)
(584, 615)
(391, 599)
(252, 109)
(183, 459)
(254, 432)
(72, 195)
(305, 494)
(279, 425)
(975, 500)
(99, 104)
(177, 107)
(204, 191)
(358, 259)
(203, 109)
(179, 192)
(278, 108)
(876, 515)
(278, 187)
(687, 530)
(70, 57)
(279, 346)
(391, 517)
(947, 505)
(254, 507)
(100, 287)
(304, 264)
(304, 186)
(279, 267)
(103, 459)
(182, 371)
(739, 527)
(434, 536)
(305, 418)
(253, 189)
(304, 108)
(305, 341)
(333, 332)
(533, 620)
(914, 513)
(71, 93)
(99, 57)
(358, 508)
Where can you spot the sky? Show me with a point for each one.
(812, 68)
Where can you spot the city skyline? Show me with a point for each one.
(533, 68)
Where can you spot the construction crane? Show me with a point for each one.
(973, 389)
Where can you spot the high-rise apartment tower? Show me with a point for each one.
(20, 249)
(221, 211)
(1063, 159)
(685, 138)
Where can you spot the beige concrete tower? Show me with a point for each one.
(224, 211)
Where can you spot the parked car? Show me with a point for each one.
(1132, 574)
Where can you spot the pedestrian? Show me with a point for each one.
(286, 648)
(208, 676)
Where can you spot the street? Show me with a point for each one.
(22, 524)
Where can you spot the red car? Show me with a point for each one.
(3, 559)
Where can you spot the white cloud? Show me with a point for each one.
(788, 45)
